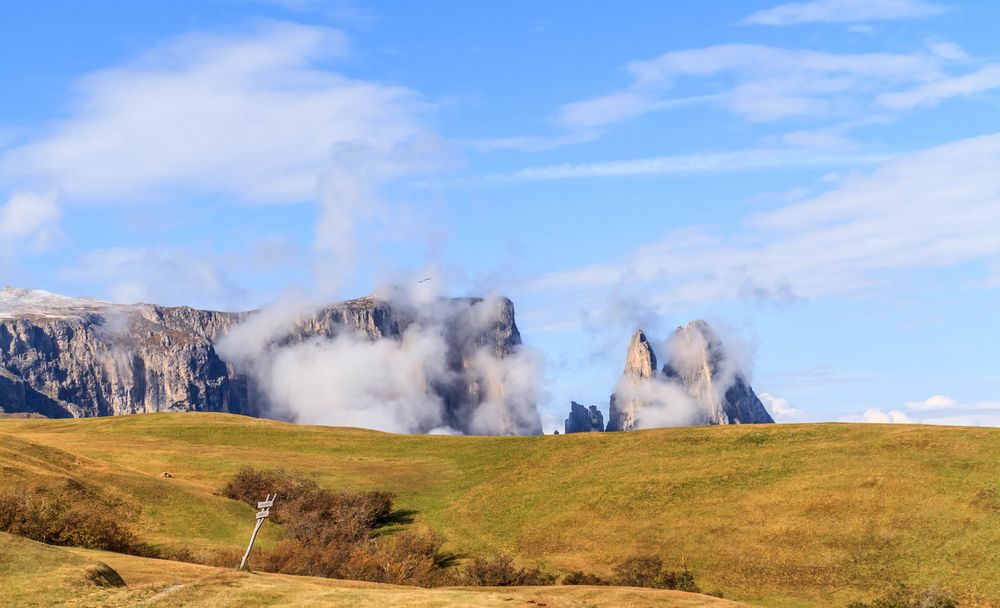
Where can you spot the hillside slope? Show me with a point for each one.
(77, 577)
(786, 515)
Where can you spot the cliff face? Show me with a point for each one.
(640, 366)
(583, 419)
(699, 384)
(700, 364)
(66, 357)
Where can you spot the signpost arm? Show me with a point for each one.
(265, 510)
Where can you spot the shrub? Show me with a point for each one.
(578, 577)
(75, 516)
(312, 514)
(336, 534)
(639, 571)
(648, 571)
(405, 558)
(905, 597)
(499, 571)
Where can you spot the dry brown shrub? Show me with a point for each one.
(499, 571)
(74, 516)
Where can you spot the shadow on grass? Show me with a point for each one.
(447, 559)
(400, 517)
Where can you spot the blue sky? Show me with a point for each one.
(816, 178)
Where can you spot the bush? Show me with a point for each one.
(406, 558)
(499, 571)
(648, 571)
(578, 577)
(312, 514)
(336, 534)
(905, 597)
(75, 516)
(639, 571)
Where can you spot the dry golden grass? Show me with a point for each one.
(32, 574)
(781, 516)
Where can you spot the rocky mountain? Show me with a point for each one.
(73, 357)
(640, 366)
(583, 419)
(700, 383)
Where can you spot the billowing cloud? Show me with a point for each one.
(403, 385)
(890, 417)
(934, 402)
(779, 408)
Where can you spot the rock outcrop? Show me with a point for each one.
(583, 419)
(640, 366)
(75, 357)
(699, 384)
(699, 362)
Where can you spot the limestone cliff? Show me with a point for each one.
(640, 366)
(699, 384)
(700, 363)
(76, 357)
(583, 419)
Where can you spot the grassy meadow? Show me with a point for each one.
(779, 516)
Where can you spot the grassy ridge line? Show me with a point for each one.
(33, 574)
(789, 515)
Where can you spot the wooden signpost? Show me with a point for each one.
(265, 510)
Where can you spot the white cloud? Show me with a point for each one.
(890, 417)
(943, 402)
(843, 11)
(934, 402)
(172, 276)
(933, 209)
(760, 83)
(30, 217)
(684, 164)
(532, 143)
(780, 408)
(932, 93)
(941, 410)
(253, 116)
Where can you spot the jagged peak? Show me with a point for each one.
(640, 362)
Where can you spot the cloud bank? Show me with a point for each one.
(441, 374)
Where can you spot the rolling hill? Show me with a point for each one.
(786, 515)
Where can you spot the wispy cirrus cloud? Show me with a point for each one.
(933, 209)
(681, 164)
(843, 11)
(759, 83)
(984, 79)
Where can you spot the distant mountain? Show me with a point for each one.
(701, 383)
(78, 357)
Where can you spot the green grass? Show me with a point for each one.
(782, 516)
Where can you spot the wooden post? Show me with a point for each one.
(265, 510)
